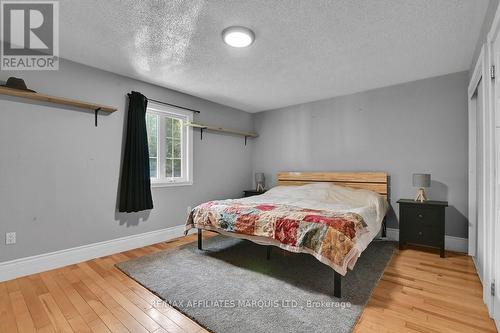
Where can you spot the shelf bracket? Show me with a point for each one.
(246, 140)
(96, 111)
(201, 133)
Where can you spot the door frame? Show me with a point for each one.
(477, 75)
(493, 58)
(487, 186)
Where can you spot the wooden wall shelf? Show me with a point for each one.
(203, 127)
(55, 100)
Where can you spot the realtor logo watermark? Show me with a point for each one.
(30, 35)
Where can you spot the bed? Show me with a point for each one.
(332, 216)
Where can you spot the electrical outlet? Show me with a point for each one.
(10, 238)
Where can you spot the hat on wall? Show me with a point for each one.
(16, 83)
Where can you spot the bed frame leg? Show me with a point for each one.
(337, 288)
(268, 256)
(200, 242)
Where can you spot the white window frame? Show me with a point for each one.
(186, 146)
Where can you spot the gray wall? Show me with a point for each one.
(413, 127)
(59, 174)
(485, 29)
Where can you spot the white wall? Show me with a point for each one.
(413, 127)
(59, 174)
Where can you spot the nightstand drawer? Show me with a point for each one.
(424, 235)
(423, 216)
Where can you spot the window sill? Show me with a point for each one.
(154, 185)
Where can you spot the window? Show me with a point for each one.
(170, 145)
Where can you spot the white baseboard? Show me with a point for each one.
(456, 244)
(47, 261)
(392, 234)
(451, 243)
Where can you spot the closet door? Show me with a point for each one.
(480, 179)
(480, 168)
(495, 61)
(472, 176)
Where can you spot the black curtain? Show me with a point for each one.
(135, 185)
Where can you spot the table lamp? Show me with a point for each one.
(260, 181)
(421, 180)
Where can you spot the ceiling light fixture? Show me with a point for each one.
(238, 36)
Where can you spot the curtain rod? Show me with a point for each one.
(177, 106)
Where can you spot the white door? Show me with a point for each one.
(496, 225)
(480, 181)
(472, 215)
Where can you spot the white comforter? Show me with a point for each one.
(370, 205)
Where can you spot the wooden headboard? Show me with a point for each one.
(373, 181)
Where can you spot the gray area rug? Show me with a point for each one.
(231, 287)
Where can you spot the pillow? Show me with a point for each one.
(330, 193)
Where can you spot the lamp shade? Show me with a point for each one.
(260, 178)
(421, 180)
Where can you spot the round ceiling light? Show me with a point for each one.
(238, 36)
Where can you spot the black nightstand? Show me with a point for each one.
(251, 193)
(422, 223)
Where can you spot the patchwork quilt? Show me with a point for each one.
(328, 235)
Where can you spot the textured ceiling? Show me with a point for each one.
(304, 50)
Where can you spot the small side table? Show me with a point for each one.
(251, 193)
(422, 223)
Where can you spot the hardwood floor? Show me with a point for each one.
(419, 292)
